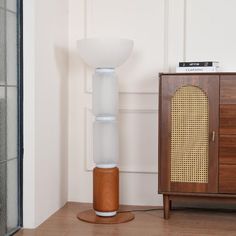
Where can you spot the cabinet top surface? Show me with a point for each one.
(201, 73)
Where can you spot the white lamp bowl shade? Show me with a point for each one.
(105, 93)
(105, 52)
(105, 143)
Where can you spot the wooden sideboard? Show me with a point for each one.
(197, 137)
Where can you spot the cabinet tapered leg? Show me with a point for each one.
(166, 203)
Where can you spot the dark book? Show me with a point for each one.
(200, 63)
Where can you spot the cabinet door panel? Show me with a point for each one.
(227, 179)
(180, 162)
(227, 118)
(227, 89)
(227, 149)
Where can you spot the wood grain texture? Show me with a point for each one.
(184, 222)
(203, 195)
(227, 149)
(227, 89)
(194, 198)
(189, 187)
(228, 118)
(106, 189)
(166, 204)
(164, 140)
(160, 149)
(227, 178)
(200, 73)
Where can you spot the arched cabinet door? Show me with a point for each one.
(188, 133)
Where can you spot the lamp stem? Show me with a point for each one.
(105, 145)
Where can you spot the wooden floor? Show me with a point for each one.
(182, 222)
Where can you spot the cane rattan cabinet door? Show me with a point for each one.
(188, 133)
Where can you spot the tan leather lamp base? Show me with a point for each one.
(90, 217)
(106, 189)
(105, 198)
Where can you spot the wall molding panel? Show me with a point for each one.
(164, 33)
(176, 33)
(138, 75)
(210, 37)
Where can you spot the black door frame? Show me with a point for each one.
(20, 149)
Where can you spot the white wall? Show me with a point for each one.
(29, 115)
(144, 22)
(45, 108)
(164, 33)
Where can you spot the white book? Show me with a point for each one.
(197, 69)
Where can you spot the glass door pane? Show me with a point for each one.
(3, 212)
(12, 195)
(10, 117)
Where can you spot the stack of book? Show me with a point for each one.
(201, 66)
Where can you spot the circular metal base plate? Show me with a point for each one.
(90, 217)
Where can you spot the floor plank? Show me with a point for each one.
(183, 222)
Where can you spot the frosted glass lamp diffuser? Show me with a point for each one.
(105, 52)
(105, 136)
(105, 55)
(105, 93)
(105, 108)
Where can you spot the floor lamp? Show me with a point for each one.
(105, 55)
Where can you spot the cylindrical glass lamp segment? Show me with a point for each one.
(105, 93)
(105, 143)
